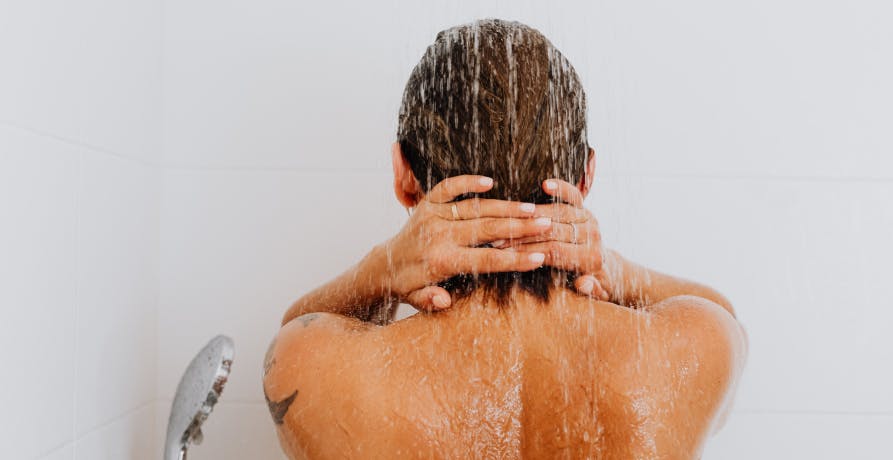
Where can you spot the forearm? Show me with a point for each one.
(363, 292)
(634, 285)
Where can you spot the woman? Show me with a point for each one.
(507, 358)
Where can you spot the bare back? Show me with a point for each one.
(573, 378)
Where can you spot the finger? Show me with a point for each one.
(430, 298)
(560, 212)
(448, 189)
(567, 256)
(474, 232)
(475, 208)
(590, 286)
(565, 191)
(563, 233)
(488, 260)
(585, 284)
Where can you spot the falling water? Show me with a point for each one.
(544, 373)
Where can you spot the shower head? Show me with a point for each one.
(198, 391)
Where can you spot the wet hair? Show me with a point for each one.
(496, 98)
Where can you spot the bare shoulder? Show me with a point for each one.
(706, 348)
(299, 350)
(695, 325)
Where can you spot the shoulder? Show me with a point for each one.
(311, 334)
(306, 342)
(706, 348)
(695, 325)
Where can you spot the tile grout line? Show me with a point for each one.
(78, 258)
(334, 171)
(80, 144)
(612, 176)
(73, 442)
(762, 177)
(816, 412)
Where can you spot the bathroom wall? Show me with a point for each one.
(80, 91)
(744, 145)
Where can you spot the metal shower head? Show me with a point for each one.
(198, 391)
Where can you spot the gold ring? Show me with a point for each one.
(455, 211)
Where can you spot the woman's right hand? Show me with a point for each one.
(444, 238)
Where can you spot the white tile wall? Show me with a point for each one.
(118, 284)
(80, 95)
(38, 242)
(88, 72)
(817, 436)
(131, 436)
(790, 88)
(80, 243)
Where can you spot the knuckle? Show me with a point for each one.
(437, 263)
(490, 228)
(491, 259)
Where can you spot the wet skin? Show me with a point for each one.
(571, 378)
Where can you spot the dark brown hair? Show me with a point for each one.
(496, 98)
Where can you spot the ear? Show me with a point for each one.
(406, 187)
(588, 175)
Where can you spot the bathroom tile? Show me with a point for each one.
(802, 261)
(744, 103)
(255, 87)
(239, 247)
(239, 92)
(90, 73)
(38, 293)
(812, 436)
(41, 85)
(116, 323)
(130, 436)
(162, 409)
(122, 68)
(737, 104)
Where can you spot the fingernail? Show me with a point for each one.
(587, 286)
(528, 207)
(497, 243)
(537, 257)
(543, 221)
(486, 181)
(551, 185)
(440, 301)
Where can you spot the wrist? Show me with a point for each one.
(376, 271)
(612, 267)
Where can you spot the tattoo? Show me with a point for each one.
(278, 409)
(308, 318)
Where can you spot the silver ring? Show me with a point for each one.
(576, 232)
(455, 211)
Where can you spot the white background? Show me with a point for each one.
(174, 170)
